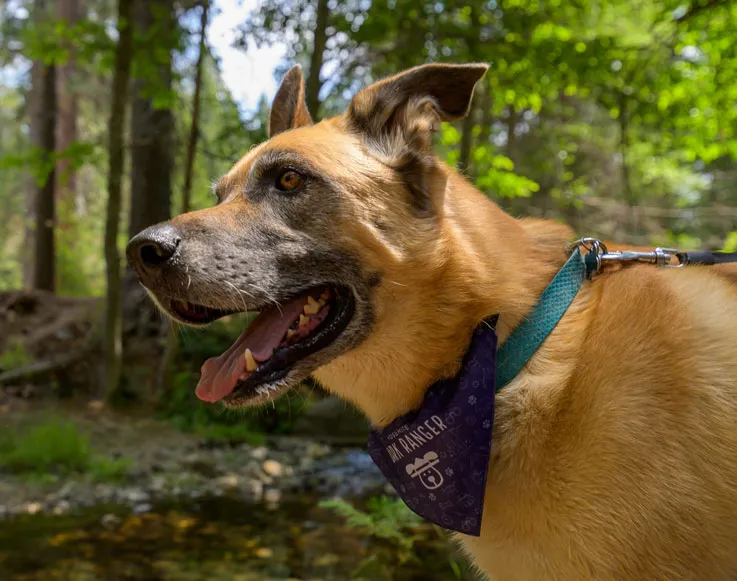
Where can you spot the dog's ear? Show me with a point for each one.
(396, 117)
(417, 99)
(288, 111)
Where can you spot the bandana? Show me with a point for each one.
(437, 457)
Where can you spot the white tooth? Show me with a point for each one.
(312, 306)
(291, 333)
(303, 320)
(251, 363)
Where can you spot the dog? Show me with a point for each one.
(371, 263)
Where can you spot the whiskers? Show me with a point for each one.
(241, 292)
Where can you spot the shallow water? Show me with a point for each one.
(215, 539)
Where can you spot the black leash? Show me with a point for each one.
(708, 258)
(597, 256)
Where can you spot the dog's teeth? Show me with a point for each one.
(291, 333)
(251, 364)
(303, 320)
(312, 306)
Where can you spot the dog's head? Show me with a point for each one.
(312, 229)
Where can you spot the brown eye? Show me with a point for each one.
(289, 180)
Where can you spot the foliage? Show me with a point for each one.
(385, 518)
(58, 448)
(14, 356)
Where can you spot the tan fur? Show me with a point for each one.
(615, 450)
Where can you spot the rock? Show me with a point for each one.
(135, 496)
(62, 507)
(157, 484)
(256, 488)
(259, 453)
(273, 468)
(66, 491)
(33, 507)
(142, 508)
(272, 496)
(204, 466)
(110, 521)
(228, 482)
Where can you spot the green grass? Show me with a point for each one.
(56, 448)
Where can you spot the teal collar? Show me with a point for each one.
(526, 339)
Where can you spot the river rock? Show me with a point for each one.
(273, 468)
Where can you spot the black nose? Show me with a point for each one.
(153, 247)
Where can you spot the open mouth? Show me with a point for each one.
(273, 343)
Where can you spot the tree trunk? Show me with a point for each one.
(314, 84)
(151, 127)
(43, 260)
(66, 125)
(194, 130)
(35, 113)
(113, 337)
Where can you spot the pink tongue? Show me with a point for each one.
(262, 337)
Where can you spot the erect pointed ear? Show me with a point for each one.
(415, 100)
(395, 118)
(288, 111)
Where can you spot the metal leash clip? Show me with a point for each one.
(597, 256)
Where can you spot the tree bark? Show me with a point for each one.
(194, 130)
(113, 345)
(66, 125)
(151, 127)
(43, 261)
(36, 113)
(314, 84)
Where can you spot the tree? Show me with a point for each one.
(320, 37)
(43, 109)
(113, 335)
(194, 130)
(67, 12)
(152, 121)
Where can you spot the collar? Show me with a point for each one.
(530, 334)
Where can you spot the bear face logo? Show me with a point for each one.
(424, 470)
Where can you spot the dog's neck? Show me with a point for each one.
(485, 262)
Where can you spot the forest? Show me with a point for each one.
(617, 117)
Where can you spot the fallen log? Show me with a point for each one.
(41, 367)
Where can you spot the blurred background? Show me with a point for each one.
(617, 117)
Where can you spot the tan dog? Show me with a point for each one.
(615, 450)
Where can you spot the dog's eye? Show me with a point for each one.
(289, 180)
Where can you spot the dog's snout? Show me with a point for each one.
(153, 247)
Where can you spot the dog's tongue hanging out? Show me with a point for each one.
(271, 329)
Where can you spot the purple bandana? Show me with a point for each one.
(437, 457)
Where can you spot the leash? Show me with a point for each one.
(530, 334)
(598, 256)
